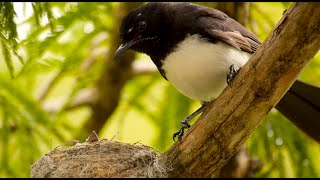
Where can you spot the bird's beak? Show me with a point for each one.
(122, 48)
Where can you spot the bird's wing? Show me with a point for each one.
(221, 27)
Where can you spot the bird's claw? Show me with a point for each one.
(180, 133)
(232, 73)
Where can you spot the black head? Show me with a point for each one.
(143, 28)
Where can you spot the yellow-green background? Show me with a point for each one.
(150, 109)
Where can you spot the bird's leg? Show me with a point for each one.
(185, 123)
(232, 73)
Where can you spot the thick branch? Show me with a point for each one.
(258, 87)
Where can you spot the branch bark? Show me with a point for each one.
(258, 87)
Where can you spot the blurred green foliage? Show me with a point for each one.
(48, 44)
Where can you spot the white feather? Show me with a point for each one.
(198, 69)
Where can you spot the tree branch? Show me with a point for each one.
(258, 87)
(142, 68)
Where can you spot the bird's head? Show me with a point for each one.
(142, 29)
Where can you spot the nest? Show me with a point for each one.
(100, 159)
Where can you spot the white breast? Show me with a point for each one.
(198, 69)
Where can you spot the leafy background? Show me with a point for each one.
(52, 52)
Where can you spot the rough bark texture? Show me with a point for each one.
(241, 164)
(228, 122)
(258, 87)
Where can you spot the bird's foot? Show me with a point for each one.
(185, 123)
(232, 73)
(180, 133)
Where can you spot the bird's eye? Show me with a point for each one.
(141, 26)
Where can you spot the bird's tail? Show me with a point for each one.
(301, 105)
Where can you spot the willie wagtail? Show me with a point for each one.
(199, 50)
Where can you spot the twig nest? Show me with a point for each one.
(99, 159)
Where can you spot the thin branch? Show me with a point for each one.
(85, 97)
(143, 68)
(49, 86)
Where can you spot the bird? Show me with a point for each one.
(199, 50)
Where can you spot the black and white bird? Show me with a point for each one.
(199, 50)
